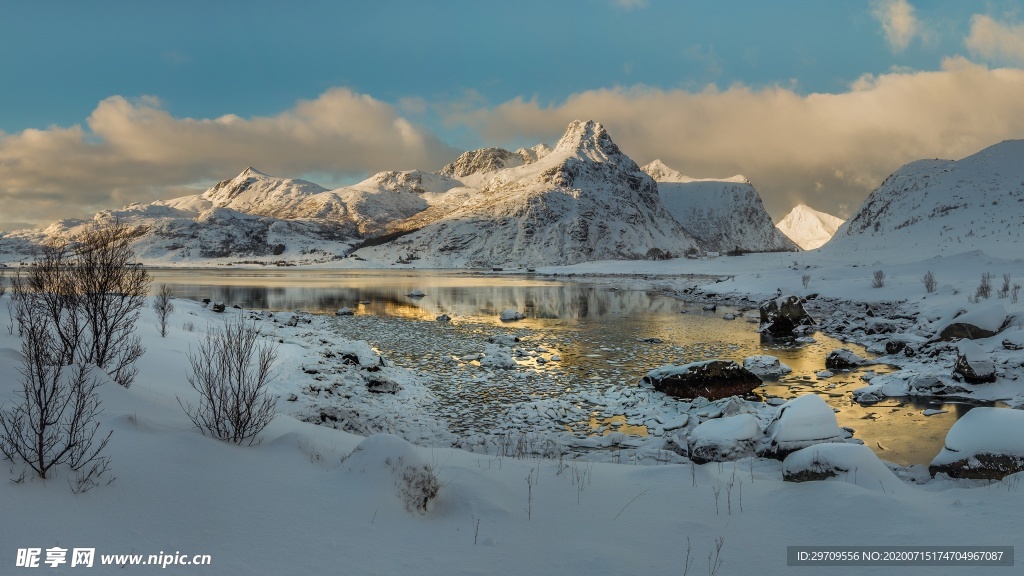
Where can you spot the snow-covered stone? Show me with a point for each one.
(766, 366)
(984, 443)
(973, 363)
(417, 293)
(346, 311)
(724, 439)
(388, 465)
(712, 379)
(843, 359)
(497, 356)
(511, 315)
(443, 318)
(802, 422)
(981, 323)
(853, 463)
(780, 316)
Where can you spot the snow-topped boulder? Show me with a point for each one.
(417, 293)
(390, 466)
(844, 359)
(345, 311)
(497, 356)
(781, 315)
(711, 379)
(984, 443)
(443, 318)
(853, 463)
(973, 363)
(511, 315)
(981, 323)
(766, 366)
(803, 421)
(724, 439)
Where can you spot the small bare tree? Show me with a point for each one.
(806, 279)
(1014, 293)
(1004, 291)
(162, 305)
(879, 279)
(929, 282)
(54, 420)
(3, 286)
(985, 288)
(231, 371)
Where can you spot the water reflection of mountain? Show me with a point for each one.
(567, 302)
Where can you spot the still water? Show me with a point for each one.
(596, 328)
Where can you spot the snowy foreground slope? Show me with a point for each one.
(724, 214)
(809, 228)
(934, 207)
(303, 502)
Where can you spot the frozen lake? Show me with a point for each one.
(596, 329)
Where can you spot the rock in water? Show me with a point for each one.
(344, 312)
(843, 359)
(511, 314)
(712, 379)
(973, 363)
(781, 315)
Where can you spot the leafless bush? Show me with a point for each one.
(231, 371)
(929, 282)
(416, 484)
(879, 279)
(188, 326)
(54, 419)
(1004, 291)
(984, 289)
(1014, 293)
(162, 305)
(806, 278)
(3, 286)
(91, 292)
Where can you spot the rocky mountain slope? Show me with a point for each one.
(723, 214)
(809, 228)
(583, 200)
(932, 207)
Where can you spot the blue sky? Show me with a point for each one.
(103, 100)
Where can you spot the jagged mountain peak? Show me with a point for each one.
(589, 138)
(482, 161)
(249, 172)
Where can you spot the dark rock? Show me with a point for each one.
(713, 379)
(443, 318)
(981, 467)
(894, 347)
(218, 307)
(382, 386)
(781, 315)
(843, 359)
(710, 308)
(278, 249)
(652, 340)
(349, 358)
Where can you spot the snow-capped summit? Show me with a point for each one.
(724, 214)
(808, 227)
(932, 207)
(583, 200)
(475, 166)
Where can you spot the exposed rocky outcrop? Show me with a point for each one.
(712, 379)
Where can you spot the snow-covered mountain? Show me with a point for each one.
(932, 207)
(583, 200)
(808, 227)
(724, 214)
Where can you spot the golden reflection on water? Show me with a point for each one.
(615, 424)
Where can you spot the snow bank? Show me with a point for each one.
(853, 463)
(384, 463)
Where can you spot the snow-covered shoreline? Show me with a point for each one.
(179, 490)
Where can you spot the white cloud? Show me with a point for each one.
(898, 22)
(782, 140)
(993, 40)
(134, 150)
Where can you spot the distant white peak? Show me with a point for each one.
(534, 153)
(484, 160)
(662, 173)
(808, 227)
(250, 172)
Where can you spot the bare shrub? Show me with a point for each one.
(984, 289)
(91, 292)
(806, 279)
(1004, 291)
(162, 305)
(878, 280)
(53, 422)
(1014, 293)
(188, 326)
(3, 286)
(231, 371)
(929, 282)
(416, 484)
